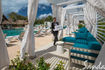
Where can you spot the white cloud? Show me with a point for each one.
(45, 15)
(13, 5)
(16, 5)
(43, 2)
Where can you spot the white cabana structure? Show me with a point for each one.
(88, 12)
(28, 43)
(91, 9)
(4, 59)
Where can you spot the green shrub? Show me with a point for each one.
(24, 64)
(80, 26)
(41, 65)
(60, 66)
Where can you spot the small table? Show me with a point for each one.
(60, 48)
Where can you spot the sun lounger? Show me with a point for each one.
(10, 38)
(85, 48)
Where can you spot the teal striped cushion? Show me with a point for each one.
(82, 59)
(84, 46)
(81, 41)
(90, 37)
(82, 30)
(69, 39)
(84, 53)
(81, 35)
(94, 45)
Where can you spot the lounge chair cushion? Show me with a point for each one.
(90, 46)
(84, 53)
(81, 41)
(94, 45)
(90, 37)
(82, 30)
(81, 35)
(78, 45)
(69, 39)
(82, 59)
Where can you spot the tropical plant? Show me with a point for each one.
(24, 64)
(14, 16)
(49, 18)
(80, 26)
(60, 66)
(42, 20)
(41, 65)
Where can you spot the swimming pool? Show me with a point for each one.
(13, 32)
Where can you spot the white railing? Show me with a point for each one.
(101, 31)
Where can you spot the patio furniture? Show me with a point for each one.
(60, 49)
(85, 48)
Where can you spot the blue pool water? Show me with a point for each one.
(13, 32)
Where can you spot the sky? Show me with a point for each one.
(15, 5)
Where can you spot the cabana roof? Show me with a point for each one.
(65, 2)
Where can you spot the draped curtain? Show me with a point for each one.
(58, 17)
(90, 18)
(68, 27)
(62, 19)
(28, 42)
(70, 20)
(76, 22)
(4, 59)
(54, 10)
(99, 5)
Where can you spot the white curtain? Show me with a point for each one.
(70, 20)
(101, 57)
(28, 42)
(4, 59)
(90, 18)
(62, 19)
(99, 5)
(76, 22)
(68, 28)
(54, 10)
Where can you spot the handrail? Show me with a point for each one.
(99, 40)
(101, 25)
(101, 36)
(101, 29)
(101, 32)
(102, 22)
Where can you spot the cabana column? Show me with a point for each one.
(28, 43)
(4, 59)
